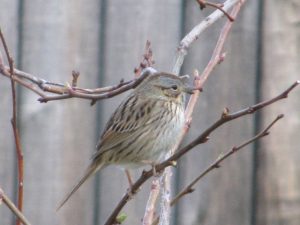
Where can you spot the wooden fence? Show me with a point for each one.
(104, 40)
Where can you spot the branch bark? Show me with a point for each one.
(215, 165)
(13, 208)
(65, 91)
(150, 207)
(194, 34)
(15, 128)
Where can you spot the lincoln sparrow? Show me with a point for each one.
(144, 127)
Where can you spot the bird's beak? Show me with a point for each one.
(189, 90)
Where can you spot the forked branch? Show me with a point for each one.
(60, 91)
(189, 188)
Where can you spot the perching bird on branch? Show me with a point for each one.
(144, 127)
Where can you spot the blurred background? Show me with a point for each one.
(104, 41)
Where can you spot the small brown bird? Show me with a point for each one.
(144, 127)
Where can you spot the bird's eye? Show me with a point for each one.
(174, 87)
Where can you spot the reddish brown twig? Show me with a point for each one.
(59, 91)
(217, 55)
(225, 118)
(65, 91)
(15, 129)
(189, 188)
(203, 5)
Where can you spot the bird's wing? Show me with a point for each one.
(132, 114)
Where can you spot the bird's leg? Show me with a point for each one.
(129, 178)
(152, 164)
(128, 175)
(155, 173)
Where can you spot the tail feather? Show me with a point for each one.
(92, 169)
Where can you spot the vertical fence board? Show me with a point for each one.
(8, 24)
(278, 166)
(58, 36)
(128, 26)
(224, 196)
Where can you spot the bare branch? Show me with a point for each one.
(189, 188)
(62, 91)
(150, 207)
(216, 164)
(15, 128)
(203, 5)
(226, 117)
(194, 34)
(13, 208)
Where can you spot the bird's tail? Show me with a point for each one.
(92, 169)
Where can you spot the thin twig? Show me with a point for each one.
(194, 34)
(225, 118)
(13, 208)
(189, 188)
(59, 91)
(203, 5)
(64, 91)
(147, 60)
(15, 129)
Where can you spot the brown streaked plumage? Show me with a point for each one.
(144, 127)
